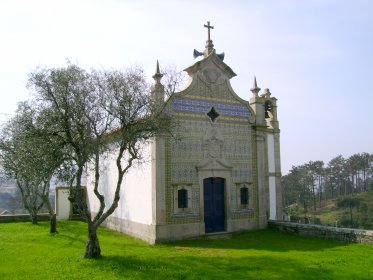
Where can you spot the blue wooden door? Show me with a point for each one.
(213, 191)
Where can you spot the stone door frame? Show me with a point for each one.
(223, 172)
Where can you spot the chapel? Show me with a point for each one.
(221, 175)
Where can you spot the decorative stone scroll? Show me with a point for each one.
(213, 157)
(212, 76)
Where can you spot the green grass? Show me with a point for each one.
(30, 252)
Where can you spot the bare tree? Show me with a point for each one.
(173, 79)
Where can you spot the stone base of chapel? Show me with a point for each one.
(164, 233)
(139, 230)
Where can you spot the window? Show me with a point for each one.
(244, 198)
(268, 109)
(212, 114)
(182, 198)
(244, 194)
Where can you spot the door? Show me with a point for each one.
(213, 192)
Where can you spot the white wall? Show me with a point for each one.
(62, 203)
(271, 153)
(272, 178)
(135, 195)
(272, 198)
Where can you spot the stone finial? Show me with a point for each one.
(157, 76)
(209, 48)
(255, 90)
(266, 93)
(157, 89)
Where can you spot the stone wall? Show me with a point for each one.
(22, 218)
(333, 233)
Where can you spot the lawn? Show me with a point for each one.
(30, 252)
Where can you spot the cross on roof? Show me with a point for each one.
(208, 26)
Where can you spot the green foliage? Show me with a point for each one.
(348, 202)
(337, 212)
(28, 252)
(312, 184)
(28, 155)
(346, 221)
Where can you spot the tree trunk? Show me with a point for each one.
(351, 217)
(52, 215)
(34, 218)
(314, 198)
(53, 224)
(92, 249)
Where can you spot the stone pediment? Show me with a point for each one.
(213, 164)
(209, 86)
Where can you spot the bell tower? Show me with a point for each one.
(268, 163)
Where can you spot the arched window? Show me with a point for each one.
(244, 194)
(182, 198)
(268, 109)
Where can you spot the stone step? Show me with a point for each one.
(218, 235)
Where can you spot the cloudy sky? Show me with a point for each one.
(316, 56)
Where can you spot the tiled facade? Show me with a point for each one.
(220, 135)
(190, 108)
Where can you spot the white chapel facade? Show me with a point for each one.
(222, 174)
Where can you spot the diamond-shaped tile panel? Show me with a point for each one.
(212, 114)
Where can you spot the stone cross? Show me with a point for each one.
(208, 26)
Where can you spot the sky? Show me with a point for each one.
(316, 56)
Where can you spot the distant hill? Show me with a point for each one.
(10, 200)
(4, 199)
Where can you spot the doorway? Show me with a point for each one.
(214, 206)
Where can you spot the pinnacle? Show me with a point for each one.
(157, 70)
(255, 88)
(157, 76)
